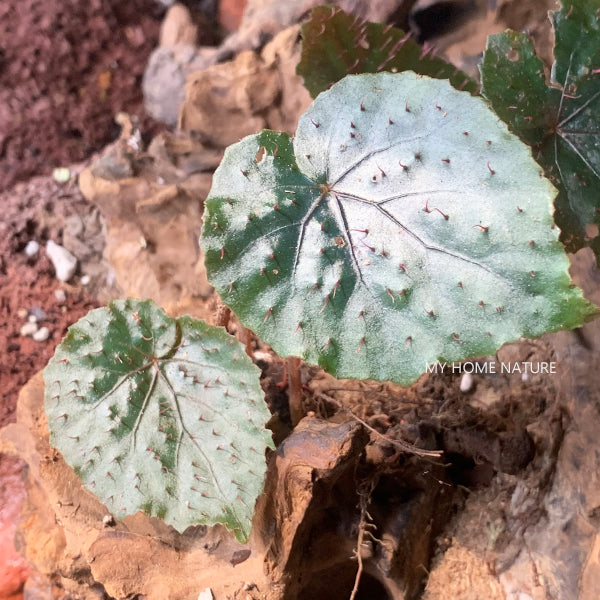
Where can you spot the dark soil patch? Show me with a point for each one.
(66, 68)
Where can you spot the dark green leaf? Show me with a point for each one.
(335, 44)
(561, 122)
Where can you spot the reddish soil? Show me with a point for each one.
(33, 211)
(66, 68)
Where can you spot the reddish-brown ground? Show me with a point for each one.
(66, 68)
(33, 211)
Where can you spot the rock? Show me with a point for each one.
(254, 91)
(477, 581)
(41, 335)
(311, 501)
(37, 314)
(303, 471)
(60, 295)
(32, 248)
(63, 261)
(157, 227)
(65, 540)
(228, 101)
(178, 28)
(164, 79)
(61, 174)
(177, 58)
(85, 280)
(84, 236)
(154, 219)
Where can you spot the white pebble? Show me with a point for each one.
(108, 520)
(61, 174)
(466, 382)
(41, 335)
(64, 262)
(206, 595)
(60, 295)
(32, 319)
(32, 248)
(29, 328)
(85, 280)
(22, 313)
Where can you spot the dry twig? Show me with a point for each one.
(401, 444)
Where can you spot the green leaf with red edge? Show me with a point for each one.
(561, 121)
(392, 231)
(160, 415)
(336, 44)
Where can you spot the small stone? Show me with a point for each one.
(206, 595)
(60, 295)
(32, 319)
(108, 521)
(22, 313)
(61, 174)
(85, 280)
(32, 248)
(41, 335)
(466, 383)
(264, 356)
(29, 329)
(63, 261)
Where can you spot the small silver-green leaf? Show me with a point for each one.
(161, 415)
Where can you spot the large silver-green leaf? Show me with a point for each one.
(159, 414)
(402, 225)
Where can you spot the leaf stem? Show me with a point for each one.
(292, 365)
